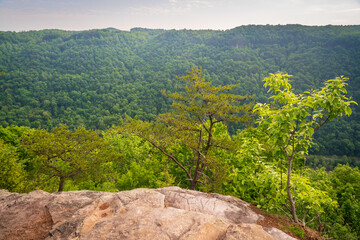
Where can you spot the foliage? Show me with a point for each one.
(342, 184)
(92, 78)
(191, 125)
(346, 184)
(330, 162)
(255, 178)
(11, 168)
(63, 154)
(141, 167)
(145, 176)
(298, 231)
(291, 119)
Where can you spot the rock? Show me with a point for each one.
(227, 208)
(245, 231)
(280, 235)
(25, 216)
(166, 213)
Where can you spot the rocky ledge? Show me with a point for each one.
(166, 213)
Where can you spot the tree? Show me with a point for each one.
(141, 165)
(13, 159)
(186, 135)
(346, 185)
(290, 120)
(63, 154)
(11, 169)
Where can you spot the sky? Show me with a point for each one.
(25, 15)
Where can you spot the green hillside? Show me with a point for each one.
(92, 78)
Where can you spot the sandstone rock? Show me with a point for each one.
(24, 216)
(227, 208)
(245, 231)
(280, 235)
(167, 213)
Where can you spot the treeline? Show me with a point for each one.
(92, 78)
(330, 162)
(190, 146)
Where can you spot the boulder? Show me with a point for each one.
(166, 213)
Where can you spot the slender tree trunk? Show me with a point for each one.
(281, 176)
(61, 184)
(288, 189)
(193, 184)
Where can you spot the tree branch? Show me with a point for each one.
(220, 120)
(322, 124)
(198, 150)
(286, 213)
(73, 174)
(56, 169)
(168, 155)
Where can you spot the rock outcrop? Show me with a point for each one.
(166, 213)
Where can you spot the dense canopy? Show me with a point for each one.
(92, 78)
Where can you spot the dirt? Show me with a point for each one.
(283, 223)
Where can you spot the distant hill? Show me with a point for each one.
(92, 78)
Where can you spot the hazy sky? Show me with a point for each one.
(23, 15)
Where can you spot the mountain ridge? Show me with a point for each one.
(92, 78)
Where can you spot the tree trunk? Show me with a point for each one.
(61, 184)
(288, 189)
(193, 184)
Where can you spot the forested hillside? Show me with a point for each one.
(92, 78)
(190, 146)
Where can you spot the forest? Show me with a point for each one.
(268, 114)
(92, 78)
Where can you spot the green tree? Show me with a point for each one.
(255, 177)
(14, 162)
(343, 185)
(346, 184)
(64, 154)
(11, 168)
(290, 120)
(142, 165)
(190, 127)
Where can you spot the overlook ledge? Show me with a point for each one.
(165, 213)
